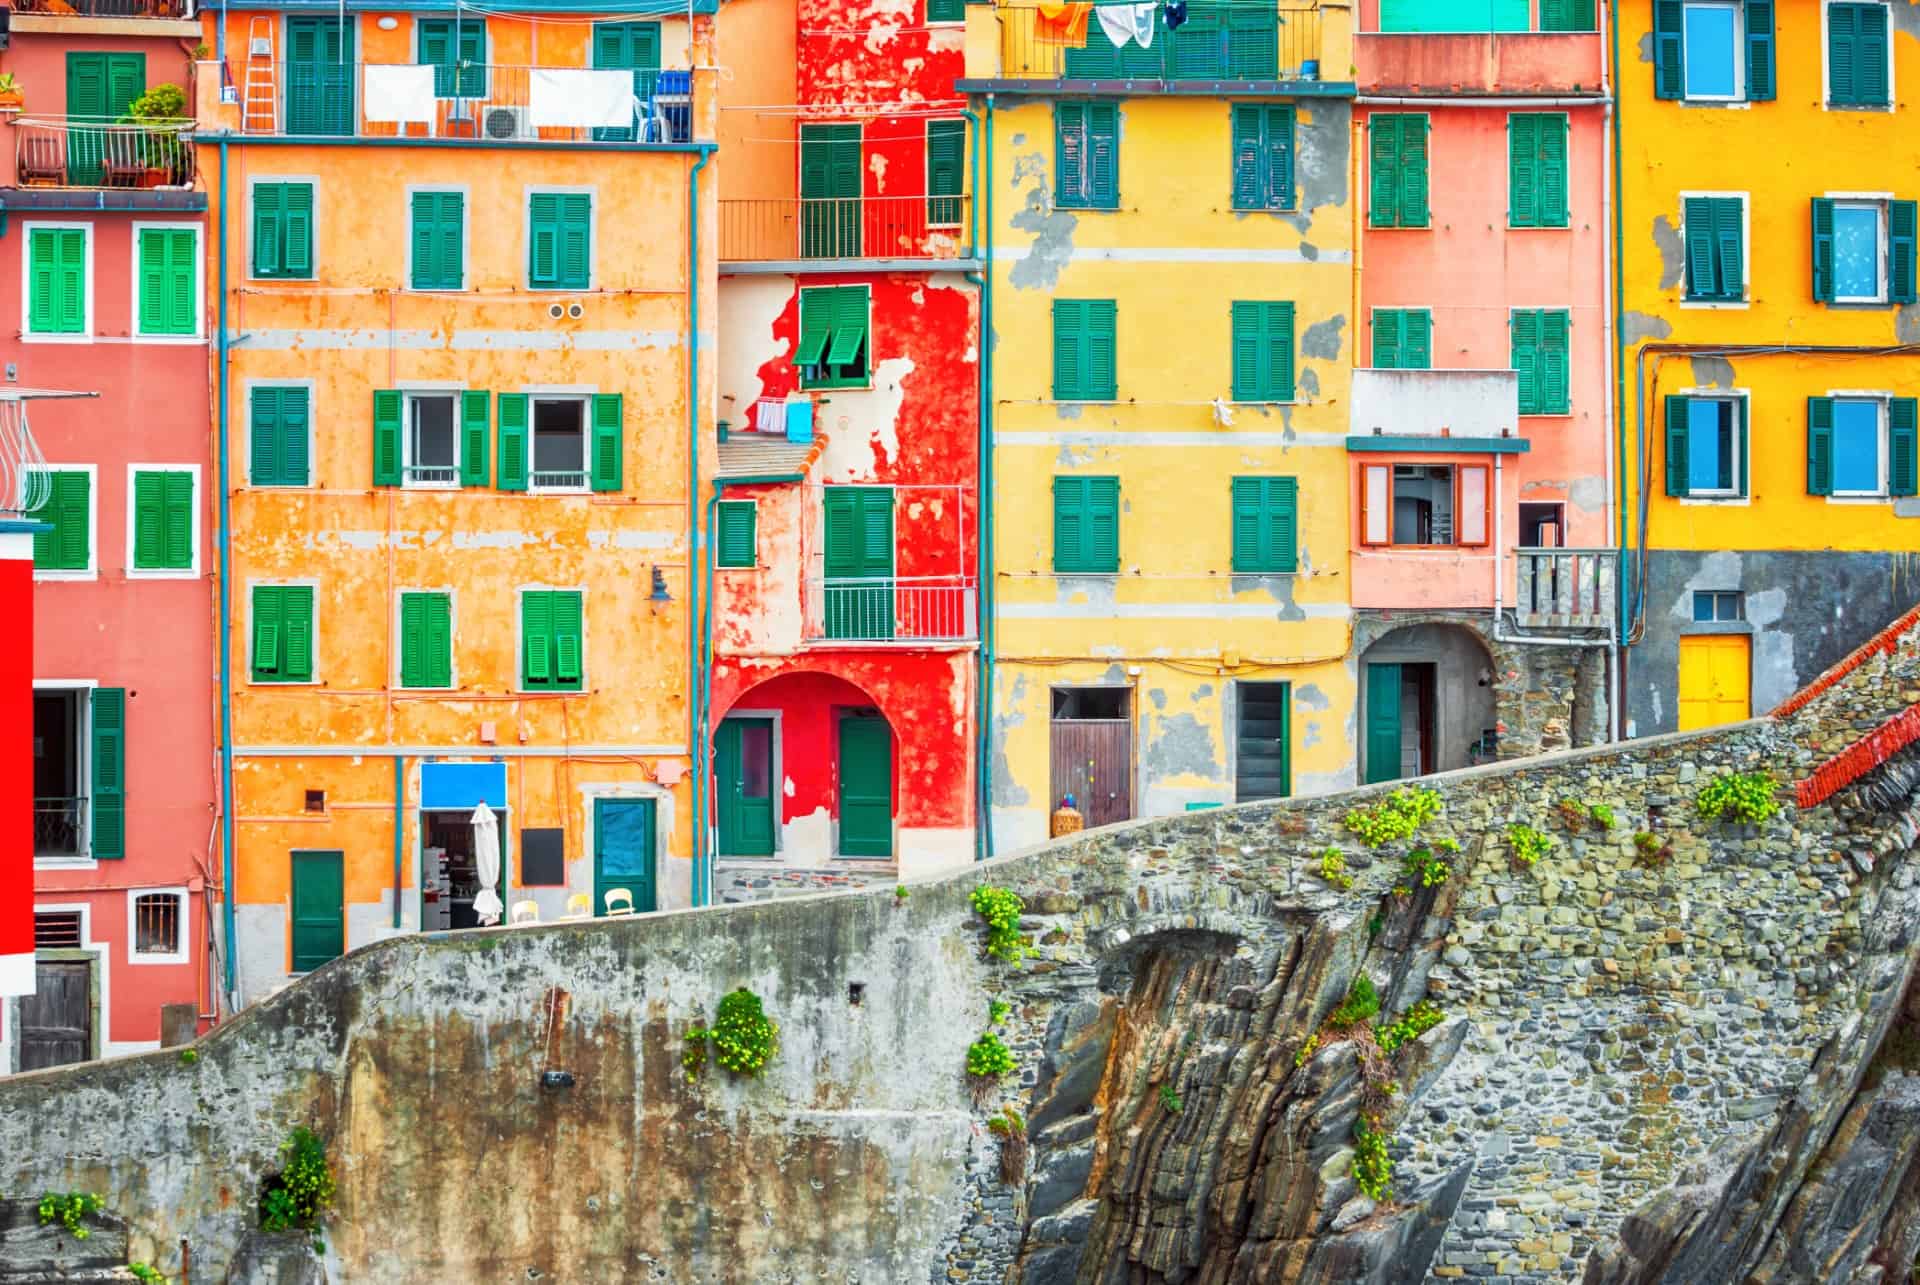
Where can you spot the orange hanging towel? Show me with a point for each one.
(1062, 24)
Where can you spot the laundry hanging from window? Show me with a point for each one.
(1062, 24)
(1124, 22)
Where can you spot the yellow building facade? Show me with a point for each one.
(1170, 320)
(1767, 258)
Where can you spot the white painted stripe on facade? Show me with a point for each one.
(1219, 437)
(543, 340)
(481, 752)
(1171, 610)
(1175, 254)
(16, 975)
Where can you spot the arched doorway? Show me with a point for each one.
(1426, 702)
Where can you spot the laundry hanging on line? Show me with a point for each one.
(1062, 24)
(1124, 22)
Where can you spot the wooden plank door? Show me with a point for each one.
(1715, 680)
(1263, 759)
(56, 1021)
(858, 562)
(830, 191)
(743, 786)
(319, 909)
(623, 852)
(866, 786)
(1093, 761)
(1383, 723)
(320, 77)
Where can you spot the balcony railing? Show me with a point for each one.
(106, 8)
(1564, 588)
(858, 227)
(904, 610)
(490, 101)
(78, 152)
(59, 827)
(1218, 42)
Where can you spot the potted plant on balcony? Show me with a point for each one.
(10, 95)
(162, 153)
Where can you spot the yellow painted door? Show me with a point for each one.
(1714, 675)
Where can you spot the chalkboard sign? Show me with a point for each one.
(543, 858)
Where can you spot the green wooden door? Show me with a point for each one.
(866, 786)
(627, 46)
(1383, 723)
(1263, 760)
(320, 76)
(623, 833)
(829, 191)
(100, 88)
(319, 909)
(743, 786)
(859, 562)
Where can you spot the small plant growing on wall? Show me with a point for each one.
(900, 894)
(1602, 816)
(299, 1195)
(70, 1209)
(147, 1274)
(1333, 869)
(989, 1058)
(1747, 797)
(1012, 1132)
(1372, 1166)
(1170, 1100)
(1410, 1025)
(744, 1038)
(1001, 908)
(1527, 844)
(1422, 869)
(1573, 814)
(1398, 816)
(1361, 1003)
(1651, 849)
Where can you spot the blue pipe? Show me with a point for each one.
(225, 542)
(696, 718)
(399, 830)
(988, 630)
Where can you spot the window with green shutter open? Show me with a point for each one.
(1397, 170)
(834, 349)
(438, 241)
(552, 643)
(56, 281)
(1266, 524)
(278, 431)
(1086, 525)
(1714, 50)
(163, 510)
(68, 513)
(1863, 447)
(1262, 351)
(1263, 157)
(734, 534)
(1706, 447)
(426, 640)
(560, 241)
(1086, 153)
(1084, 350)
(1859, 57)
(1542, 360)
(1537, 169)
(283, 231)
(946, 167)
(1715, 231)
(169, 281)
(1402, 339)
(282, 634)
(1864, 251)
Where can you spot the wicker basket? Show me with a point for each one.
(1067, 821)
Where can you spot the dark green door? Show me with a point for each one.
(319, 909)
(859, 562)
(320, 76)
(1263, 762)
(743, 786)
(627, 46)
(623, 851)
(830, 191)
(866, 786)
(100, 88)
(1383, 723)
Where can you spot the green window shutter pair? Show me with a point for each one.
(1084, 347)
(107, 707)
(68, 510)
(735, 541)
(946, 10)
(458, 54)
(1397, 164)
(282, 633)
(439, 241)
(1716, 257)
(57, 285)
(162, 521)
(560, 241)
(1263, 157)
(1262, 351)
(283, 231)
(1086, 144)
(551, 642)
(1669, 50)
(1265, 524)
(946, 167)
(1567, 15)
(426, 640)
(1086, 525)
(835, 349)
(1903, 222)
(858, 532)
(1542, 360)
(277, 428)
(1402, 339)
(1903, 446)
(606, 433)
(1858, 55)
(1678, 426)
(1537, 170)
(169, 289)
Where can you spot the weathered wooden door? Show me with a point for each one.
(830, 191)
(1383, 723)
(1093, 761)
(866, 786)
(1263, 762)
(320, 76)
(56, 1021)
(623, 847)
(743, 786)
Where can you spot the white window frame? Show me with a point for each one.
(584, 400)
(183, 953)
(1826, 65)
(317, 676)
(1738, 10)
(464, 192)
(199, 335)
(245, 431)
(192, 571)
(92, 570)
(1878, 202)
(27, 335)
(452, 596)
(1730, 494)
(520, 593)
(1880, 398)
(1746, 253)
(83, 774)
(407, 398)
(311, 180)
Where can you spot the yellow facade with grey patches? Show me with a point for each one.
(1155, 688)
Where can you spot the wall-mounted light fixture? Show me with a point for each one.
(388, 23)
(659, 597)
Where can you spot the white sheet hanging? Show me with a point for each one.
(574, 98)
(399, 93)
(1124, 22)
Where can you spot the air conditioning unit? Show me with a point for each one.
(504, 122)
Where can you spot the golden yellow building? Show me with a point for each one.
(1767, 264)
(1171, 320)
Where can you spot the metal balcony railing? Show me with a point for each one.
(903, 610)
(491, 101)
(1564, 588)
(82, 152)
(59, 827)
(106, 8)
(1218, 42)
(856, 227)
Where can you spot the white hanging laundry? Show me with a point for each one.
(1222, 413)
(580, 99)
(1143, 21)
(399, 93)
(1125, 22)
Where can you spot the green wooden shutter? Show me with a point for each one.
(1388, 324)
(1264, 524)
(43, 248)
(876, 531)
(609, 427)
(1903, 222)
(296, 614)
(1102, 358)
(386, 437)
(734, 540)
(267, 216)
(1525, 325)
(126, 81)
(1283, 524)
(513, 442)
(1279, 158)
(87, 87)
(568, 642)
(1552, 210)
(438, 241)
(1383, 723)
(1903, 446)
(1566, 15)
(1069, 523)
(1249, 344)
(1247, 149)
(543, 240)
(1413, 172)
(849, 349)
(1199, 46)
(162, 521)
(1698, 215)
(57, 299)
(439, 640)
(1416, 352)
(1857, 54)
(436, 50)
(1103, 155)
(68, 511)
(946, 10)
(168, 292)
(1670, 73)
(263, 436)
(840, 513)
(1253, 42)
(1249, 524)
(265, 660)
(1819, 446)
(576, 241)
(294, 414)
(475, 405)
(108, 706)
(1556, 392)
(1103, 524)
(1277, 333)
(177, 524)
(296, 226)
(1523, 169)
(413, 640)
(536, 638)
(1823, 266)
(1383, 180)
(1086, 525)
(1761, 76)
(1084, 360)
(946, 170)
(1677, 427)
(1729, 248)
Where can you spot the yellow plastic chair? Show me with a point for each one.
(579, 906)
(525, 912)
(619, 901)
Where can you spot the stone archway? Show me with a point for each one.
(1427, 701)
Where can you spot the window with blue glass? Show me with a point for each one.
(1713, 50)
(1859, 446)
(1707, 447)
(1719, 606)
(1711, 33)
(1862, 446)
(1865, 250)
(1856, 253)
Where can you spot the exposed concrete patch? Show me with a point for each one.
(1907, 508)
(1325, 141)
(1906, 324)
(1322, 339)
(1673, 252)
(1588, 494)
(1159, 697)
(1712, 372)
(1182, 747)
(1097, 590)
(1308, 381)
(1645, 47)
(1052, 247)
(1906, 19)
(1309, 696)
(1309, 251)
(1638, 327)
(1067, 410)
(1019, 139)
(1313, 736)
(1007, 790)
(863, 432)
(751, 305)
(1074, 456)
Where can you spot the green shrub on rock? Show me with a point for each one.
(1747, 797)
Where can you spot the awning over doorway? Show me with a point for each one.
(463, 785)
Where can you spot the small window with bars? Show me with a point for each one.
(157, 927)
(57, 930)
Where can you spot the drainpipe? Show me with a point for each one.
(225, 542)
(695, 722)
(1617, 126)
(1610, 320)
(399, 828)
(983, 751)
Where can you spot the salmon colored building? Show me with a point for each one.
(1480, 448)
(102, 234)
(462, 260)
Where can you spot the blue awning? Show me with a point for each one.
(463, 785)
(1421, 443)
